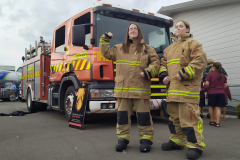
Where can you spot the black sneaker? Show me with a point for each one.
(194, 153)
(122, 144)
(171, 146)
(145, 145)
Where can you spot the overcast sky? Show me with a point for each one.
(24, 21)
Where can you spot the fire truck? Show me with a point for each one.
(53, 73)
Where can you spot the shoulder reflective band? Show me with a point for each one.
(103, 42)
(183, 93)
(190, 71)
(173, 61)
(136, 63)
(162, 69)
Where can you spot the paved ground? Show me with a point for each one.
(46, 135)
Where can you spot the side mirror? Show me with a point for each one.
(78, 35)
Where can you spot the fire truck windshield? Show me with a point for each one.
(155, 36)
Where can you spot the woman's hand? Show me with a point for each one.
(110, 34)
(142, 74)
(178, 77)
(166, 80)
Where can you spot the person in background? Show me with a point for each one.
(12, 90)
(23, 58)
(227, 96)
(216, 82)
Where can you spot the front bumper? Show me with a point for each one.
(95, 106)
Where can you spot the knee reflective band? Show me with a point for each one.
(122, 117)
(144, 118)
(171, 127)
(148, 137)
(178, 141)
(189, 131)
(124, 136)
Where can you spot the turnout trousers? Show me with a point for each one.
(144, 118)
(184, 124)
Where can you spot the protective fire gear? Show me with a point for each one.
(145, 145)
(122, 144)
(194, 153)
(128, 82)
(125, 109)
(187, 59)
(171, 146)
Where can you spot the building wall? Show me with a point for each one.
(218, 29)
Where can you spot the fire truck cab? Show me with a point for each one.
(52, 74)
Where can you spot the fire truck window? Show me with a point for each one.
(85, 19)
(60, 39)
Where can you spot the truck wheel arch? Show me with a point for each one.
(65, 83)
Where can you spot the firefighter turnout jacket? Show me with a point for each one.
(187, 59)
(128, 82)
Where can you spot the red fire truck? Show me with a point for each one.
(52, 74)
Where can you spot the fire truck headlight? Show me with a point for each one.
(101, 93)
(106, 93)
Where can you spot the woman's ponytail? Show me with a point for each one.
(218, 67)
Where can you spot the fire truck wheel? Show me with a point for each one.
(68, 101)
(30, 104)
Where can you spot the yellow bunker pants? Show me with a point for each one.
(144, 118)
(185, 123)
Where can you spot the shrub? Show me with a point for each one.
(238, 110)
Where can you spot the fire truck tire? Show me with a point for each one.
(42, 107)
(68, 101)
(30, 104)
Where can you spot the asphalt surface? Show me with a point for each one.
(46, 135)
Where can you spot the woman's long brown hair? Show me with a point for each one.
(125, 46)
(218, 67)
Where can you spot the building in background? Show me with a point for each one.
(215, 24)
(7, 68)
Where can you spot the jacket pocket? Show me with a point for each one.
(185, 56)
(144, 61)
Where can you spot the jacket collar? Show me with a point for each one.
(131, 40)
(184, 37)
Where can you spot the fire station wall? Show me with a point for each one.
(217, 28)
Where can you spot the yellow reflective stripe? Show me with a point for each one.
(173, 61)
(54, 67)
(114, 62)
(157, 94)
(162, 69)
(183, 93)
(137, 63)
(119, 89)
(88, 66)
(178, 141)
(146, 137)
(77, 64)
(125, 136)
(104, 43)
(190, 146)
(60, 67)
(68, 66)
(57, 67)
(83, 64)
(73, 63)
(193, 74)
(101, 40)
(157, 86)
(154, 71)
(155, 79)
(201, 131)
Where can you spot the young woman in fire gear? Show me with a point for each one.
(136, 64)
(180, 69)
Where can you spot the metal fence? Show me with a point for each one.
(235, 93)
